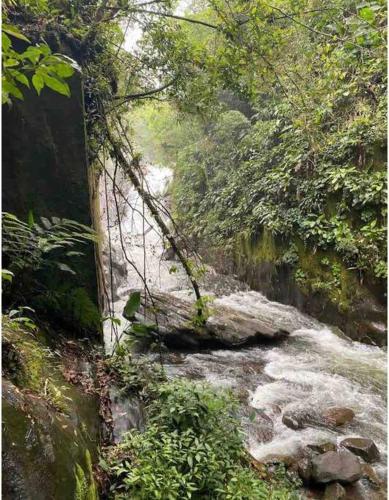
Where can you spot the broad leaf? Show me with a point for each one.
(7, 275)
(13, 31)
(132, 306)
(38, 83)
(57, 85)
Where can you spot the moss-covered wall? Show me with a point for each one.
(45, 165)
(317, 283)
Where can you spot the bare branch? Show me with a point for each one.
(180, 18)
(145, 94)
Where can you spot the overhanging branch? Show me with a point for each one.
(147, 93)
(180, 18)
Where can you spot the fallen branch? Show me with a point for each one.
(129, 167)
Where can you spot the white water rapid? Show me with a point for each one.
(313, 369)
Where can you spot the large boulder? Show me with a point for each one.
(178, 325)
(332, 466)
(363, 447)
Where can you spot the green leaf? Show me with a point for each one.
(65, 268)
(12, 89)
(30, 218)
(64, 70)
(14, 31)
(57, 85)
(38, 83)
(7, 275)
(33, 54)
(367, 14)
(11, 63)
(5, 42)
(20, 77)
(132, 306)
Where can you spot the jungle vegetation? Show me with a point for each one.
(278, 142)
(273, 117)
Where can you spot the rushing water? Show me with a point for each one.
(315, 368)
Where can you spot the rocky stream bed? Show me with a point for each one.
(311, 398)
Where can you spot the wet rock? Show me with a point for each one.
(300, 419)
(287, 460)
(304, 469)
(262, 427)
(293, 421)
(362, 491)
(334, 491)
(370, 474)
(225, 326)
(297, 419)
(40, 444)
(322, 448)
(340, 466)
(276, 409)
(338, 416)
(363, 447)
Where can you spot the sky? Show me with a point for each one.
(134, 31)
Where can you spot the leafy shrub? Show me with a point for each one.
(192, 448)
(37, 255)
(135, 375)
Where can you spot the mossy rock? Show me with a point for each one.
(49, 425)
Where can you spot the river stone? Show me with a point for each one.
(292, 421)
(338, 416)
(334, 491)
(225, 326)
(273, 458)
(362, 491)
(363, 447)
(370, 474)
(304, 469)
(262, 427)
(340, 466)
(301, 418)
(322, 448)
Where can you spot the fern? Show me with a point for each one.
(29, 245)
(85, 483)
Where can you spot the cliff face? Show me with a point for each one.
(358, 308)
(45, 166)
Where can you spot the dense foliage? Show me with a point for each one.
(192, 448)
(40, 260)
(290, 153)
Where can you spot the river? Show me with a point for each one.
(315, 368)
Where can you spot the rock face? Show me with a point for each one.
(336, 466)
(225, 326)
(40, 448)
(338, 416)
(334, 491)
(364, 448)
